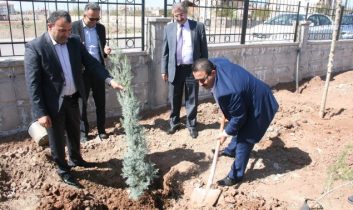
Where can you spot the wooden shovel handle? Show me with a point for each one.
(213, 167)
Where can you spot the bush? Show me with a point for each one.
(323, 9)
(260, 14)
(227, 11)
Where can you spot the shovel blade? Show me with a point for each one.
(204, 197)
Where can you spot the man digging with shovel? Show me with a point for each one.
(246, 102)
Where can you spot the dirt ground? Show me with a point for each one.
(289, 165)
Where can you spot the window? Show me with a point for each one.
(323, 20)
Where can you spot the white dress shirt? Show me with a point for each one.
(187, 50)
(91, 41)
(62, 52)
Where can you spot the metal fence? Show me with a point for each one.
(226, 21)
(24, 20)
(249, 21)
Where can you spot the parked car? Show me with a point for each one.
(281, 27)
(346, 31)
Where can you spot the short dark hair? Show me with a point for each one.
(56, 15)
(203, 64)
(92, 6)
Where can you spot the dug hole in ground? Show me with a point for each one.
(291, 163)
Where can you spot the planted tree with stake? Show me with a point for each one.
(137, 169)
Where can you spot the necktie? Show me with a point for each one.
(180, 45)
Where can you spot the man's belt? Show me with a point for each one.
(73, 96)
(184, 66)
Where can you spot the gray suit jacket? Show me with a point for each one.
(45, 77)
(198, 36)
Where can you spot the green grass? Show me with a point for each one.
(342, 168)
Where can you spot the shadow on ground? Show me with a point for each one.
(105, 173)
(277, 159)
(163, 125)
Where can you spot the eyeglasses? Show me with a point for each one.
(93, 19)
(203, 80)
(179, 15)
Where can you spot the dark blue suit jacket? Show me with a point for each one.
(44, 75)
(247, 102)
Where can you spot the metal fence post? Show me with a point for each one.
(143, 26)
(340, 22)
(245, 21)
(165, 8)
(297, 24)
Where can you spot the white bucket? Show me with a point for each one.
(38, 133)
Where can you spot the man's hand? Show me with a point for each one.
(164, 77)
(45, 121)
(116, 86)
(107, 50)
(222, 137)
(222, 122)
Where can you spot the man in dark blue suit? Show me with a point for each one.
(246, 102)
(53, 64)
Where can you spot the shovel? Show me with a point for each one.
(207, 197)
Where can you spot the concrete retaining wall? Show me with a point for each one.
(273, 63)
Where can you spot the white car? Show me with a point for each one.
(282, 27)
(346, 30)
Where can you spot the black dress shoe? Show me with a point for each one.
(103, 136)
(193, 133)
(84, 139)
(70, 180)
(173, 129)
(81, 163)
(227, 181)
(350, 199)
(222, 153)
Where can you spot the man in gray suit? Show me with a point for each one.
(54, 80)
(184, 42)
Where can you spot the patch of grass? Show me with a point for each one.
(342, 169)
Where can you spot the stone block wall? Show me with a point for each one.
(15, 110)
(272, 62)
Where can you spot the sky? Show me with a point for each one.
(40, 5)
(149, 3)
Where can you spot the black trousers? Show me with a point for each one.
(67, 121)
(98, 92)
(184, 82)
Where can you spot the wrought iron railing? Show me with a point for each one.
(226, 21)
(24, 20)
(251, 21)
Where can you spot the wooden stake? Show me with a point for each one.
(330, 60)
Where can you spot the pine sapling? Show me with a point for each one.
(137, 170)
